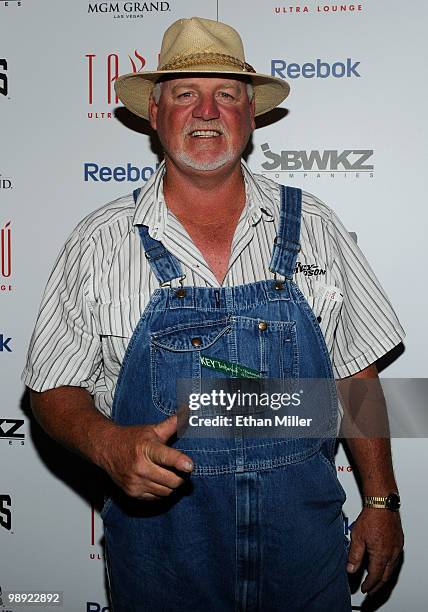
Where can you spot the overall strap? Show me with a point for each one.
(286, 244)
(164, 265)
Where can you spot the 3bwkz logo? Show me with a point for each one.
(127, 10)
(4, 87)
(330, 161)
(5, 256)
(102, 73)
(6, 512)
(11, 430)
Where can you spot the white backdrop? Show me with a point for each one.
(367, 129)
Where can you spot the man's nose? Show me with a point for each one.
(206, 107)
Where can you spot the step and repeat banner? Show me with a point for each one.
(353, 132)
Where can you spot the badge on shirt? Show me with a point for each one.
(329, 293)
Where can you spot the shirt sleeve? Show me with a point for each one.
(368, 327)
(64, 350)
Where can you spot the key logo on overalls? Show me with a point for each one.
(236, 370)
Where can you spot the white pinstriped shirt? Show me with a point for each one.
(102, 282)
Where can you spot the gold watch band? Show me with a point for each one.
(373, 501)
(389, 502)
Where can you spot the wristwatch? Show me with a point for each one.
(390, 502)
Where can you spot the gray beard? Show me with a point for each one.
(213, 165)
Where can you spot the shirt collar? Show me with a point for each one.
(151, 209)
(257, 203)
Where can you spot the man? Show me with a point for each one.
(197, 269)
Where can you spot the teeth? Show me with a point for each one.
(205, 133)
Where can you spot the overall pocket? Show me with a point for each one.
(175, 353)
(267, 349)
(268, 346)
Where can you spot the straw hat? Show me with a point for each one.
(195, 46)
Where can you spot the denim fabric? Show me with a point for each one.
(258, 524)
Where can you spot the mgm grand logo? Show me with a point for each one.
(128, 9)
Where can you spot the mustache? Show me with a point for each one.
(206, 125)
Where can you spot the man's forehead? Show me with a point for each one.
(197, 80)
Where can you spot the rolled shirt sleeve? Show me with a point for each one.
(368, 327)
(64, 348)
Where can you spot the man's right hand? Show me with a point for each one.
(139, 461)
(137, 458)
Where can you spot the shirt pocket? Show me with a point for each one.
(326, 301)
(115, 324)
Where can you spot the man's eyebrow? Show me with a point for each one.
(185, 84)
(228, 85)
(190, 84)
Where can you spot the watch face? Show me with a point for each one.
(393, 501)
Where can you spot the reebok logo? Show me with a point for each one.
(4, 344)
(318, 69)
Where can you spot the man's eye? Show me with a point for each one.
(185, 94)
(226, 95)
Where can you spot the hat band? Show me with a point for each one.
(196, 59)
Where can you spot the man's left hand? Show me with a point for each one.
(377, 532)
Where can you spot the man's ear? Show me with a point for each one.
(153, 112)
(253, 112)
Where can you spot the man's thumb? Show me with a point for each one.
(165, 429)
(355, 556)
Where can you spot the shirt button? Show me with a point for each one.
(263, 326)
(196, 341)
(319, 319)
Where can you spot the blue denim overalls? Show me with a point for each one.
(258, 524)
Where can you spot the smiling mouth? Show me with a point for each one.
(205, 134)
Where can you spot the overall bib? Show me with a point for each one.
(258, 524)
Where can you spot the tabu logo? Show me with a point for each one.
(4, 89)
(103, 72)
(6, 250)
(5, 512)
